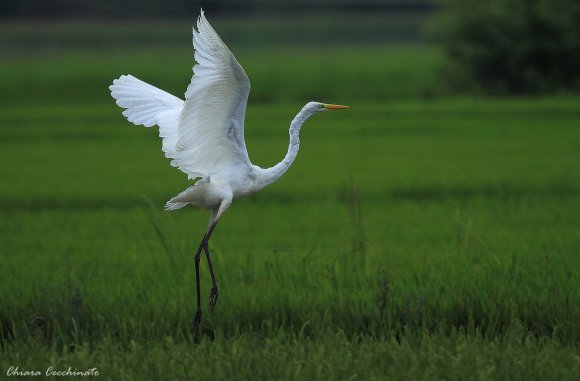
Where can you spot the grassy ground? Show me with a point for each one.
(421, 238)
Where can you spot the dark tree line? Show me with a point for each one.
(184, 8)
(511, 46)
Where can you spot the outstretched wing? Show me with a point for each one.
(211, 124)
(142, 101)
(147, 105)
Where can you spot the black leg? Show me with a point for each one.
(213, 295)
(197, 318)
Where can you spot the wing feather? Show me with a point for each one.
(211, 124)
(147, 105)
(142, 101)
(205, 134)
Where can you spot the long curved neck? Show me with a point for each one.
(269, 175)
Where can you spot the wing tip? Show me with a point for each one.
(201, 18)
(118, 81)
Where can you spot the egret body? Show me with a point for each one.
(204, 135)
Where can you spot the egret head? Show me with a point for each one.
(310, 109)
(315, 107)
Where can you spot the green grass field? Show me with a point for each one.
(417, 236)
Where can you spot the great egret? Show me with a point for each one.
(204, 135)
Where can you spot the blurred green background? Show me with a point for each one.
(428, 232)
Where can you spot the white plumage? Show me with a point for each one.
(218, 81)
(204, 135)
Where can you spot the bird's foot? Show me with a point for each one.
(196, 322)
(213, 295)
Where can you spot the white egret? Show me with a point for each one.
(204, 135)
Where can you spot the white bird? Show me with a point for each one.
(204, 135)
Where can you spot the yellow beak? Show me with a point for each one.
(333, 107)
